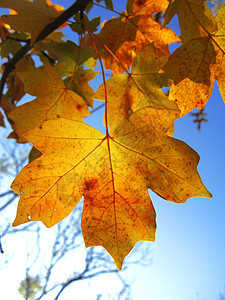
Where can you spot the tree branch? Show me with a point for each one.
(79, 5)
(8, 202)
(83, 278)
(1, 249)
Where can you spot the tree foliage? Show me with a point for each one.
(113, 170)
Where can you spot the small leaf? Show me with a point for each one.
(70, 49)
(92, 25)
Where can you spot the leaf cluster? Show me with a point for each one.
(112, 171)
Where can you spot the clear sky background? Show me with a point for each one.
(189, 251)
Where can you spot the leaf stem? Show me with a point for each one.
(104, 81)
(76, 64)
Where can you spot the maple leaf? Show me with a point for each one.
(137, 89)
(91, 24)
(121, 38)
(195, 65)
(190, 70)
(195, 18)
(53, 99)
(30, 16)
(112, 172)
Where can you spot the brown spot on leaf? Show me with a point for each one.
(78, 107)
(90, 184)
(140, 2)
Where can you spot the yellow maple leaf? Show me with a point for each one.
(53, 99)
(141, 87)
(30, 16)
(113, 173)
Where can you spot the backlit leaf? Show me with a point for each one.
(112, 172)
(53, 99)
(195, 18)
(140, 88)
(147, 90)
(121, 38)
(31, 17)
(194, 67)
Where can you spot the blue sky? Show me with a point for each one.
(189, 251)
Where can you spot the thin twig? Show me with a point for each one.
(83, 278)
(6, 193)
(11, 200)
(97, 108)
(1, 249)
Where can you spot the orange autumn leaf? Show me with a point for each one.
(195, 18)
(30, 16)
(113, 173)
(195, 65)
(192, 78)
(121, 38)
